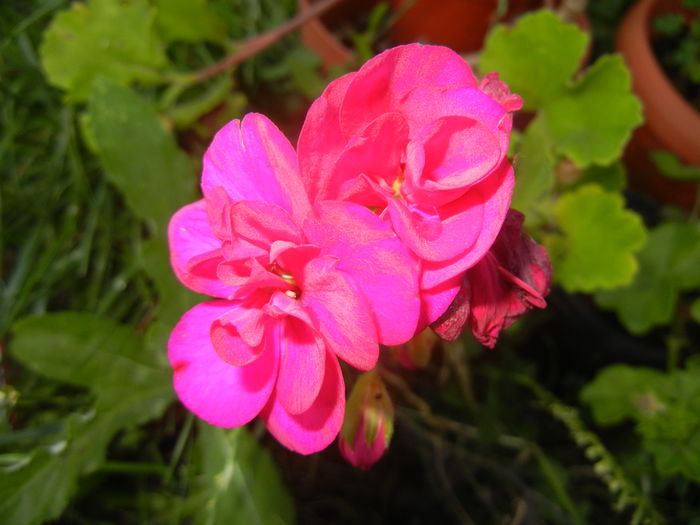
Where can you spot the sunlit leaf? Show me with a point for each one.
(600, 236)
(591, 122)
(536, 58)
(111, 38)
(188, 21)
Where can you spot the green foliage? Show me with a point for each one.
(239, 482)
(669, 263)
(591, 122)
(665, 408)
(672, 167)
(525, 59)
(188, 21)
(598, 242)
(102, 38)
(610, 178)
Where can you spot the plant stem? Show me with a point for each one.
(254, 45)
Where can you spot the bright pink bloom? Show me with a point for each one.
(415, 136)
(369, 422)
(511, 279)
(299, 286)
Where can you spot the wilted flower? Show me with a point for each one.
(369, 422)
(511, 279)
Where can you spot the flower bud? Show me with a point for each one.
(369, 421)
(416, 353)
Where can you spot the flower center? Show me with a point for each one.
(294, 292)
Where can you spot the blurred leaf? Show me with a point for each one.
(139, 155)
(187, 113)
(536, 58)
(668, 263)
(598, 242)
(695, 310)
(240, 483)
(614, 395)
(112, 38)
(672, 167)
(534, 173)
(188, 21)
(611, 178)
(593, 119)
(38, 491)
(666, 408)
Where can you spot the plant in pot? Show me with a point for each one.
(660, 40)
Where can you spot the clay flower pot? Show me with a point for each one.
(670, 121)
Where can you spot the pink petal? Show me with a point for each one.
(320, 140)
(261, 223)
(340, 312)
(435, 301)
(237, 335)
(190, 237)
(493, 197)
(384, 81)
(253, 160)
(221, 394)
(379, 265)
(302, 366)
(316, 428)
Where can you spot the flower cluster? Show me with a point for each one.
(387, 218)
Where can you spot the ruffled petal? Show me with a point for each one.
(253, 160)
(190, 238)
(237, 335)
(340, 312)
(316, 428)
(221, 394)
(376, 260)
(302, 365)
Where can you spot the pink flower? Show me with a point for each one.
(369, 422)
(510, 280)
(298, 287)
(414, 136)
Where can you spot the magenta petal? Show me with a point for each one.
(302, 365)
(253, 160)
(237, 335)
(261, 224)
(340, 312)
(377, 262)
(221, 394)
(316, 428)
(190, 236)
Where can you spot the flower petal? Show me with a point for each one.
(316, 428)
(190, 237)
(378, 263)
(253, 160)
(340, 312)
(302, 365)
(221, 394)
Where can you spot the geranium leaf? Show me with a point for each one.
(591, 122)
(240, 483)
(599, 239)
(668, 264)
(611, 178)
(84, 349)
(139, 155)
(672, 167)
(188, 21)
(112, 38)
(536, 58)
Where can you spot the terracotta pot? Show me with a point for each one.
(670, 121)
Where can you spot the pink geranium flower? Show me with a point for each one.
(512, 278)
(298, 287)
(416, 137)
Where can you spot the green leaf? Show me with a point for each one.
(139, 155)
(669, 263)
(84, 349)
(598, 242)
(240, 483)
(695, 310)
(611, 178)
(593, 119)
(112, 38)
(188, 21)
(672, 167)
(618, 392)
(536, 58)
(534, 174)
(665, 407)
